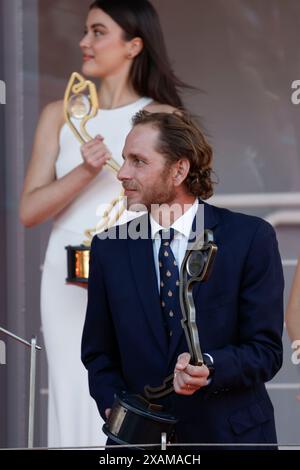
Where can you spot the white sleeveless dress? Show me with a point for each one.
(73, 418)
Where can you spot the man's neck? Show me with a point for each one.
(166, 214)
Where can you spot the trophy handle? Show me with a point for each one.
(107, 219)
(107, 222)
(76, 85)
(196, 267)
(161, 391)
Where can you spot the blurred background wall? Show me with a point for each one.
(242, 55)
(3, 377)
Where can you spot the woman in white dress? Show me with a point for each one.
(292, 318)
(124, 47)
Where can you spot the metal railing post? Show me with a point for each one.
(32, 393)
(33, 347)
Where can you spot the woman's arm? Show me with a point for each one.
(293, 309)
(43, 195)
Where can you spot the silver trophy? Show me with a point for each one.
(135, 419)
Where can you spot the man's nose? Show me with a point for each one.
(123, 173)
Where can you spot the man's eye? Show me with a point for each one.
(138, 162)
(98, 33)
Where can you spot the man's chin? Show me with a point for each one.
(134, 205)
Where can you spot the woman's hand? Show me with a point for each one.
(44, 196)
(95, 154)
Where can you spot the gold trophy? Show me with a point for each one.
(81, 103)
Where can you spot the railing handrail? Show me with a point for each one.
(18, 338)
(34, 347)
(289, 199)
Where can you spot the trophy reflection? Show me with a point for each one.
(81, 105)
(135, 419)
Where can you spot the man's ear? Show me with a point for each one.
(181, 170)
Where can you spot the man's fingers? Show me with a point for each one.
(179, 380)
(182, 388)
(183, 361)
(188, 378)
(197, 371)
(185, 379)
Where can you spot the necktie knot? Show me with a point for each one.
(167, 236)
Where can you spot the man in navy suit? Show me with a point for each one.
(127, 340)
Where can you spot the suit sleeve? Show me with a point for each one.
(99, 351)
(257, 355)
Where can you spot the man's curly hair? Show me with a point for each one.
(181, 138)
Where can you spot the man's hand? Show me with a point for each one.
(187, 378)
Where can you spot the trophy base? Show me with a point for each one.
(135, 421)
(78, 258)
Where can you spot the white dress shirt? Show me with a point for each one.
(182, 227)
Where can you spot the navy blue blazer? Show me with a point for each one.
(239, 317)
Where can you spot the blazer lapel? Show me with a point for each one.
(144, 274)
(210, 221)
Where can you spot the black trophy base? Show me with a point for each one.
(134, 421)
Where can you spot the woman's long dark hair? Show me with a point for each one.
(151, 73)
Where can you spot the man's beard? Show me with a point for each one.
(151, 198)
(162, 193)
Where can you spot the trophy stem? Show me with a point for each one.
(196, 267)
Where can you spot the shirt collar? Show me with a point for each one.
(182, 225)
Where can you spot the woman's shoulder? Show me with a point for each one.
(53, 112)
(156, 107)
(50, 122)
